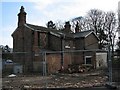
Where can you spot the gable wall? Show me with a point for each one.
(22, 48)
(18, 46)
(91, 42)
(17, 39)
(28, 40)
(28, 48)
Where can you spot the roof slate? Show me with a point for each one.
(82, 33)
(41, 28)
(59, 32)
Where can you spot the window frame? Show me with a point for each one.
(86, 58)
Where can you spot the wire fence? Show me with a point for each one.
(58, 69)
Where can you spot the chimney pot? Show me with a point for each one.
(21, 17)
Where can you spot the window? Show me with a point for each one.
(88, 59)
(42, 39)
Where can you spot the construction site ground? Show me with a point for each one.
(57, 80)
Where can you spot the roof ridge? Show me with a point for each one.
(41, 28)
(35, 25)
(87, 31)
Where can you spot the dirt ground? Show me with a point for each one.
(59, 80)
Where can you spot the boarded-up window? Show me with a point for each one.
(42, 42)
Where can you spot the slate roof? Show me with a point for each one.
(36, 27)
(60, 33)
(40, 28)
(82, 33)
(44, 29)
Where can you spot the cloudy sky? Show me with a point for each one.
(41, 11)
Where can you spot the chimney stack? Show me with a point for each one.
(21, 17)
(67, 26)
(77, 29)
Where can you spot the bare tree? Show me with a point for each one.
(118, 43)
(59, 25)
(81, 22)
(96, 22)
(104, 25)
(51, 25)
(111, 29)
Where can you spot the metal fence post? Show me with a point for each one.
(45, 70)
(109, 62)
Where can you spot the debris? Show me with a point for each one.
(79, 68)
(96, 81)
(75, 80)
(12, 75)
